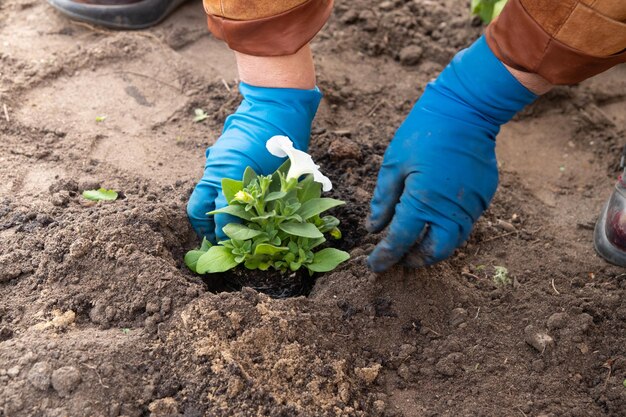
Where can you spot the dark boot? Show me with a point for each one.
(118, 14)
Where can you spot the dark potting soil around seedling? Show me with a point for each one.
(273, 283)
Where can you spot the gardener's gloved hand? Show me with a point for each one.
(440, 171)
(263, 113)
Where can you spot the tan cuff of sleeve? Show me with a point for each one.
(519, 41)
(278, 35)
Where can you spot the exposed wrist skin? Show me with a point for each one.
(534, 82)
(289, 71)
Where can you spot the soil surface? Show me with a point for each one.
(99, 316)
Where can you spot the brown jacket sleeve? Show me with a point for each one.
(564, 41)
(267, 27)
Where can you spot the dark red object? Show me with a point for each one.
(610, 233)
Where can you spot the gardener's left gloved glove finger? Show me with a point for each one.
(432, 238)
(387, 194)
(438, 243)
(405, 230)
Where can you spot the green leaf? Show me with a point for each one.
(216, 259)
(327, 260)
(240, 232)
(252, 263)
(191, 258)
(301, 229)
(275, 195)
(200, 115)
(271, 215)
(248, 176)
(317, 206)
(328, 223)
(237, 211)
(231, 187)
(316, 242)
(205, 244)
(497, 8)
(309, 189)
(267, 249)
(295, 217)
(275, 185)
(100, 119)
(487, 10)
(100, 194)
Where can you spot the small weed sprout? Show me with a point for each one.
(501, 276)
(101, 194)
(199, 115)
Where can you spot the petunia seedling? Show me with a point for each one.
(282, 225)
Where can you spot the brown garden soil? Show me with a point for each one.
(99, 316)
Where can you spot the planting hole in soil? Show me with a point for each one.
(272, 283)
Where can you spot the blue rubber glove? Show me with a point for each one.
(440, 172)
(263, 113)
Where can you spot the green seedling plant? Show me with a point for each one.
(487, 10)
(282, 222)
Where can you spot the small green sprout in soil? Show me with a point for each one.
(101, 194)
(125, 330)
(281, 220)
(487, 10)
(200, 115)
(501, 276)
(100, 119)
